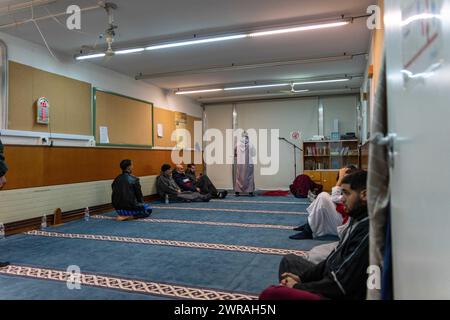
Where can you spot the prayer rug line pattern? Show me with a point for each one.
(173, 243)
(260, 202)
(231, 210)
(134, 286)
(210, 223)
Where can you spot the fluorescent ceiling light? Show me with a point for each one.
(198, 91)
(130, 51)
(91, 56)
(300, 91)
(222, 38)
(301, 28)
(257, 86)
(321, 81)
(191, 42)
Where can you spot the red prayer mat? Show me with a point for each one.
(276, 193)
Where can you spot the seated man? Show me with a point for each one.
(304, 187)
(3, 170)
(167, 187)
(127, 198)
(182, 180)
(343, 274)
(203, 183)
(326, 212)
(312, 257)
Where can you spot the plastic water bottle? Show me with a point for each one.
(44, 222)
(2, 231)
(86, 214)
(167, 199)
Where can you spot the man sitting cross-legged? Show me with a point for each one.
(326, 213)
(127, 198)
(168, 188)
(343, 274)
(203, 183)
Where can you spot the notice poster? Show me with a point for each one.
(104, 135)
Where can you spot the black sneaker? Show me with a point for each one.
(300, 228)
(4, 264)
(301, 236)
(223, 194)
(251, 194)
(236, 194)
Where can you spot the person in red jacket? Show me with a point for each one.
(326, 212)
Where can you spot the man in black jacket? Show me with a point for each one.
(3, 170)
(127, 196)
(203, 183)
(343, 274)
(167, 187)
(182, 180)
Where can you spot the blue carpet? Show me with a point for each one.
(232, 271)
(15, 288)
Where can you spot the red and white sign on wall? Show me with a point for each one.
(43, 111)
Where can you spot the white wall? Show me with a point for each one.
(287, 116)
(22, 204)
(342, 108)
(220, 117)
(37, 56)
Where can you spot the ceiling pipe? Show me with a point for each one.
(237, 67)
(276, 96)
(11, 8)
(255, 83)
(50, 16)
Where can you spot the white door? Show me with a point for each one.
(418, 71)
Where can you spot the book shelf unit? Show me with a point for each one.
(330, 154)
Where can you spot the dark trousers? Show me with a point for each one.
(285, 293)
(143, 214)
(206, 186)
(294, 264)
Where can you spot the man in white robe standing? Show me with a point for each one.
(245, 179)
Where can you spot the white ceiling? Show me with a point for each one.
(144, 22)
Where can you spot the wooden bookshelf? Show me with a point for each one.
(330, 154)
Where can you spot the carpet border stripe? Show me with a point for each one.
(260, 202)
(231, 210)
(172, 243)
(209, 223)
(128, 285)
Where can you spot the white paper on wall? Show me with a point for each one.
(104, 135)
(160, 130)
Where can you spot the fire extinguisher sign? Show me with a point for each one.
(43, 111)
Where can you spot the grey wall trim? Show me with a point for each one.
(234, 126)
(320, 118)
(204, 128)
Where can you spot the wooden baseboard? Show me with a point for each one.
(35, 223)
